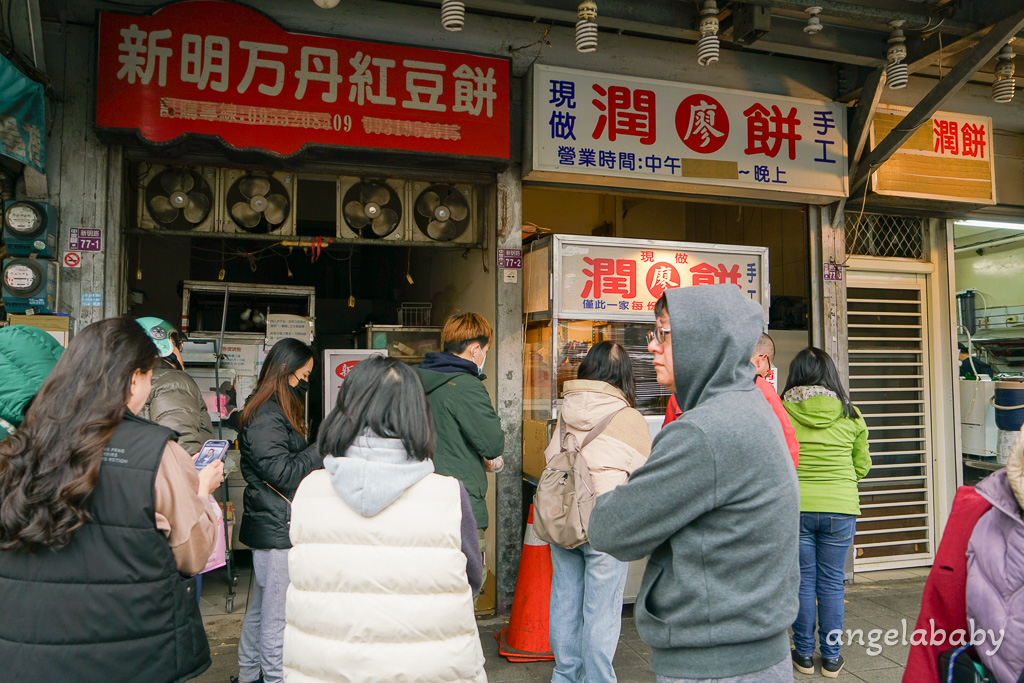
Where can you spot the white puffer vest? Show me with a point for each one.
(382, 598)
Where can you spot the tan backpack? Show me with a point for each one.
(565, 493)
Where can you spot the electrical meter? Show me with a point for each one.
(30, 228)
(29, 284)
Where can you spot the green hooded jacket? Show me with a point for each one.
(468, 429)
(27, 355)
(833, 454)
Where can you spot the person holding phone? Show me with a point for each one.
(117, 523)
(212, 450)
(275, 458)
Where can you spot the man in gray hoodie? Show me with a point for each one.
(716, 506)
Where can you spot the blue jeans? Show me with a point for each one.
(586, 613)
(825, 538)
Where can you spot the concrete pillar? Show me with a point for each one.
(828, 299)
(85, 180)
(831, 322)
(509, 343)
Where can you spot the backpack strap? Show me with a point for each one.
(599, 427)
(591, 435)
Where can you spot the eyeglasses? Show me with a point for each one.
(658, 333)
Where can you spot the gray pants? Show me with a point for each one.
(780, 673)
(262, 639)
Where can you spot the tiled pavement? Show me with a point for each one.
(876, 600)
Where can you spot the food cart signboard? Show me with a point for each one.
(623, 282)
(221, 69)
(593, 128)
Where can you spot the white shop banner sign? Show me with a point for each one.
(594, 124)
(615, 282)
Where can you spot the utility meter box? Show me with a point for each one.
(30, 228)
(29, 285)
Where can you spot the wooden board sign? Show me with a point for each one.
(949, 158)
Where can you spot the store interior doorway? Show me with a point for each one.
(782, 229)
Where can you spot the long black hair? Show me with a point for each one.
(386, 397)
(50, 465)
(608, 362)
(285, 358)
(814, 367)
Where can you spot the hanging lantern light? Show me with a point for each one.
(586, 27)
(1003, 86)
(897, 73)
(708, 45)
(453, 15)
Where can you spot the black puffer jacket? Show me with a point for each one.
(273, 455)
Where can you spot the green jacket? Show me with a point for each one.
(468, 429)
(27, 355)
(833, 454)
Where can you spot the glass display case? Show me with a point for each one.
(582, 290)
(542, 396)
(247, 308)
(406, 343)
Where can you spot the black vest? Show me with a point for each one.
(110, 605)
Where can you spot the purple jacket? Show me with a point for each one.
(995, 580)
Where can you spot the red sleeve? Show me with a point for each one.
(780, 412)
(672, 412)
(944, 600)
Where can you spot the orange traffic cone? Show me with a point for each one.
(525, 639)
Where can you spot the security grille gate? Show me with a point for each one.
(889, 364)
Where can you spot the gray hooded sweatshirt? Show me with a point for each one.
(716, 506)
(375, 471)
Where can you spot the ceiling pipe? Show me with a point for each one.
(841, 10)
(988, 244)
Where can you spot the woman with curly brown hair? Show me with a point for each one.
(103, 522)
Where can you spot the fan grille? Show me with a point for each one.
(258, 204)
(372, 209)
(442, 212)
(178, 199)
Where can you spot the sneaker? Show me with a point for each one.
(803, 664)
(830, 668)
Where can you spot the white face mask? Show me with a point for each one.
(480, 367)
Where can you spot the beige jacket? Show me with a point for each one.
(185, 517)
(621, 448)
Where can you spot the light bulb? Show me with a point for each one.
(897, 73)
(813, 22)
(586, 27)
(453, 15)
(1004, 85)
(708, 46)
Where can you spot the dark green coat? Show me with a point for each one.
(468, 429)
(27, 355)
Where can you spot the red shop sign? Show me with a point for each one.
(222, 69)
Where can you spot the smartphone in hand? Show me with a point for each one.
(213, 449)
